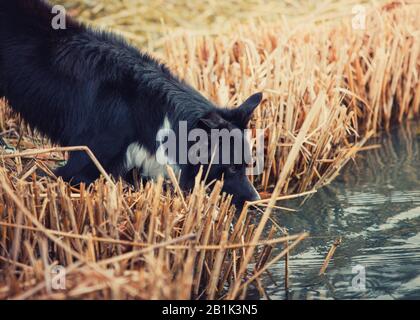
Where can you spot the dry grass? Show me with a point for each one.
(121, 244)
(147, 23)
(328, 88)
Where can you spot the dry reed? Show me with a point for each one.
(328, 88)
(117, 243)
(147, 23)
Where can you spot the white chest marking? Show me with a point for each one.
(138, 157)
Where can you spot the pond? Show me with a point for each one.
(374, 206)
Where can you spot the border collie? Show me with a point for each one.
(80, 86)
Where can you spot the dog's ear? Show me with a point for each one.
(242, 115)
(211, 120)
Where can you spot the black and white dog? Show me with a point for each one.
(79, 86)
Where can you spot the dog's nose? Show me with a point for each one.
(255, 197)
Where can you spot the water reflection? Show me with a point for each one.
(375, 207)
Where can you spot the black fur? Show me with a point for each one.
(81, 86)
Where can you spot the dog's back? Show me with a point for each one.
(53, 77)
(28, 41)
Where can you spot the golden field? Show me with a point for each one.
(328, 87)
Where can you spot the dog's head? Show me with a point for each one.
(222, 148)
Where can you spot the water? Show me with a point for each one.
(374, 206)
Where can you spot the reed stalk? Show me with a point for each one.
(328, 89)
